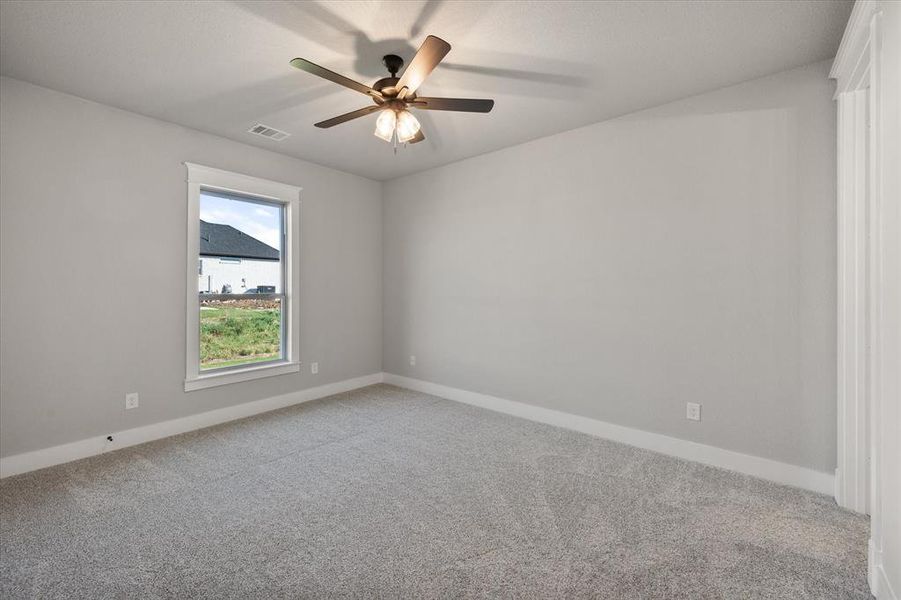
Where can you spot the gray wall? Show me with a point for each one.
(92, 268)
(617, 271)
(620, 270)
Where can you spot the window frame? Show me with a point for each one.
(288, 196)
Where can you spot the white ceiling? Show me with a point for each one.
(550, 66)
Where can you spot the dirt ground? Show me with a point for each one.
(241, 303)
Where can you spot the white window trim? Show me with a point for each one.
(200, 177)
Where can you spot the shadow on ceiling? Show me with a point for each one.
(316, 23)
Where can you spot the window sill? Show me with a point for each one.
(207, 380)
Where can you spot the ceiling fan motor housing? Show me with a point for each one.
(385, 85)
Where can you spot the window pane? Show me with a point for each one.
(240, 245)
(240, 253)
(238, 332)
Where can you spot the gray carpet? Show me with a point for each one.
(383, 492)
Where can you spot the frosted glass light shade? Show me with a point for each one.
(407, 126)
(385, 124)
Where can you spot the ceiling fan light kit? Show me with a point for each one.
(394, 96)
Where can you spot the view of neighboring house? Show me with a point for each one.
(229, 258)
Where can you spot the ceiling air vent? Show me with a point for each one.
(268, 132)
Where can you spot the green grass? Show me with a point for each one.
(232, 336)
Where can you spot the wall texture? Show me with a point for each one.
(94, 200)
(617, 271)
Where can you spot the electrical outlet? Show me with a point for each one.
(132, 400)
(693, 411)
(412, 361)
(314, 368)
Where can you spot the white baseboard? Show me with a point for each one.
(709, 455)
(39, 459)
(872, 567)
(883, 589)
(837, 487)
(876, 575)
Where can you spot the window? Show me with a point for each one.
(241, 320)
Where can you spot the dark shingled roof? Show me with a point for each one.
(225, 240)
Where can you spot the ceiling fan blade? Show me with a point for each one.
(305, 65)
(417, 138)
(428, 56)
(457, 104)
(348, 116)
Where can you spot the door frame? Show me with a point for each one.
(854, 80)
(869, 281)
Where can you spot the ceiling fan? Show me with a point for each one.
(393, 96)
